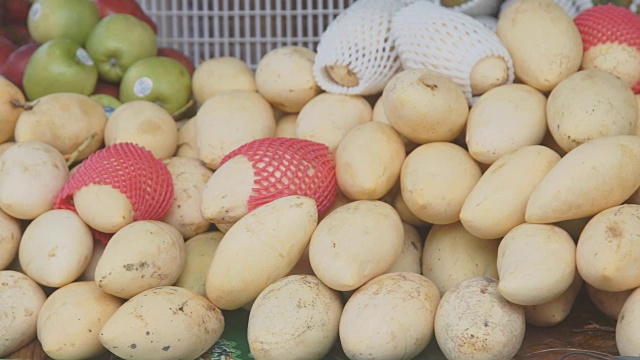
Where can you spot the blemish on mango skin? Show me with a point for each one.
(614, 231)
(136, 267)
(53, 252)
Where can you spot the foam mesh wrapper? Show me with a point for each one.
(479, 7)
(489, 21)
(471, 7)
(609, 24)
(359, 38)
(582, 5)
(449, 42)
(574, 7)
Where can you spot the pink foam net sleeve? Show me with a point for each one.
(290, 166)
(603, 24)
(129, 168)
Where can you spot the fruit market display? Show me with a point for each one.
(434, 173)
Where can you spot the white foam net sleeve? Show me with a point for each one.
(359, 39)
(470, 7)
(488, 21)
(634, 6)
(571, 7)
(582, 5)
(445, 41)
(479, 7)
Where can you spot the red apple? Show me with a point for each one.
(16, 11)
(131, 7)
(178, 55)
(13, 68)
(6, 48)
(17, 33)
(107, 89)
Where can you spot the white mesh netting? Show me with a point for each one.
(488, 21)
(358, 41)
(572, 7)
(446, 41)
(582, 5)
(469, 7)
(479, 7)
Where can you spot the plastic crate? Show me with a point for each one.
(246, 29)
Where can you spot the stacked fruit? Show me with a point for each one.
(421, 176)
(14, 36)
(86, 47)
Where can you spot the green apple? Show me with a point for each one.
(54, 19)
(158, 79)
(59, 65)
(108, 102)
(117, 41)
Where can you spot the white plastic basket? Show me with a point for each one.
(246, 29)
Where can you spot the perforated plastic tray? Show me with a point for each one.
(246, 29)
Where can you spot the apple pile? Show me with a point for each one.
(15, 43)
(87, 46)
(13, 25)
